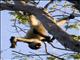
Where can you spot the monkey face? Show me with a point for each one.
(34, 46)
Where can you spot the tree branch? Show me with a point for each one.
(59, 48)
(65, 39)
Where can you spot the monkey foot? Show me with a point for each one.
(13, 42)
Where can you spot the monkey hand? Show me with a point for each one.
(48, 39)
(13, 43)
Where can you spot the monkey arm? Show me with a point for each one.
(14, 40)
(28, 40)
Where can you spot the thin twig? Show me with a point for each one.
(51, 54)
(16, 27)
(29, 54)
(59, 48)
(21, 29)
(37, 55)
(48, 4)
(67, 54)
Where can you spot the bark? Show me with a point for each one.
(65, 39)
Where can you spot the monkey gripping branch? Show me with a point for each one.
(65, 39)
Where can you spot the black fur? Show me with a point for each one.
(12, 42)
(34, 46)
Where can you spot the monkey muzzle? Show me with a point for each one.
(34, 46)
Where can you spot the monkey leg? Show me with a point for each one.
(14, 40)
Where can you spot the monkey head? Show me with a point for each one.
(34, 46)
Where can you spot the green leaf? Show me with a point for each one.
(20, 17)
(51, 58)
(76, 37)
(76, 56)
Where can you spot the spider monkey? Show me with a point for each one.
(37, 34)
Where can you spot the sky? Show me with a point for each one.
(5, 34)
(7, 31)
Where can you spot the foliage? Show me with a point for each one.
(76, 37)
(73, 26)
(51, 58)
(76, 56)
(20, 17)
(68, 56)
